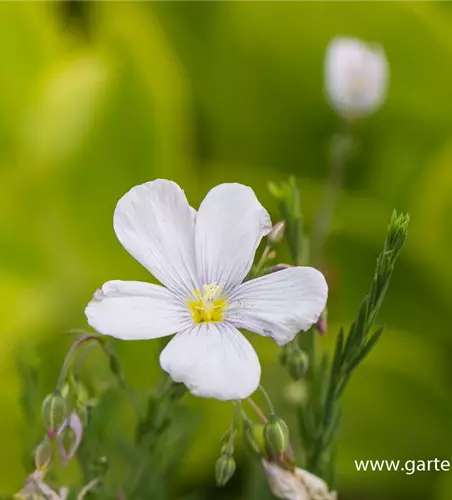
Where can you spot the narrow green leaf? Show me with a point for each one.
(367, 348)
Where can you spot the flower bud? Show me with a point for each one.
(356, 76)
(279, 267)
(54, 411)
(283, 355)
(69, 437)
(227, 448)
(271, 255)
(277, 233)
(43, 455)
(298, 364)
(177, 391)
(224, 469)
(322, 324)
(254, 439)
(75, 393)
(276, 433)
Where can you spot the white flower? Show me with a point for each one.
(296, 485)
(202, 258)
(356, 76)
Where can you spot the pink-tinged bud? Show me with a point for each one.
(54, 411)
(322, 324)
(279, 267)
(69, 437)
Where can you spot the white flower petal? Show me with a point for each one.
(131, 310)
(296, 485)
(229, 227)
(280, 304)
(214, 360)
(155, 225)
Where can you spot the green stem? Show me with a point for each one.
(258, 410)
(114, 366)
(339, 157)
(260, 265)
(68, 358)
(271, 408)
(237, 412)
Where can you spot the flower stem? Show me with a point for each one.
(87, 488)
(67, 360)
(114, 365)
(258, 410)
(271, 408)
(340, 153)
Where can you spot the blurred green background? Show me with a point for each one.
(98, 97)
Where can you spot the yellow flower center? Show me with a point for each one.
(208, 306)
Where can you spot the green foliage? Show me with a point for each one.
(319, 414)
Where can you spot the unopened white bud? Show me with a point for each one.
(277, 233)
(356, 77)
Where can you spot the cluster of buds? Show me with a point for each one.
(61, 417)
(296, 360)
(63, 413)
(269, 440)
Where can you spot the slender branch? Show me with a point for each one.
(114, 366)
(87, 488)
(258, 410)
(342, 144)
(267, 399)
(67, 359)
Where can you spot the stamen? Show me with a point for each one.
(208, 306)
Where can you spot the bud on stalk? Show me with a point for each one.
(43, 455)
(277, 233)
(254, 439)
(54, 410)
(276, 433)
(224, 469)
(298, 364)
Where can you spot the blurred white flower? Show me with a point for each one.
(296, 485)
(356, 76)
(202, 258)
